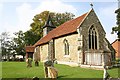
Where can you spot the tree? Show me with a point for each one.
(60, 18)
(19, 43)
(31, 37)
(116, 29)
(5, 45)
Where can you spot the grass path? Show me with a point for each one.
(19, 70)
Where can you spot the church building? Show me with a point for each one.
(77, 42)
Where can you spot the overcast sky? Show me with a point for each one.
(17, 15)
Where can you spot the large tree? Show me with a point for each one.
(116, 29)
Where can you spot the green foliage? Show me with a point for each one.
(31, 37)
(116, 29)
(19, 43)
(118, 16)
(60, 18)
(6, 43)
(118, 61)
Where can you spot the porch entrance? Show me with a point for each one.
(93, 59)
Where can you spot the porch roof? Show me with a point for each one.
(29, 48)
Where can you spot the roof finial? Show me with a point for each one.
(91, 5)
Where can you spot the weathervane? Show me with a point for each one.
(91, 5)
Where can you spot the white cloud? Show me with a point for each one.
(26, 13)
(10, 29)
(56, 6)
(1, 8)
(108, 19)
(25, 16)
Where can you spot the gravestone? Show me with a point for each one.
(29, 62)
(36, 63)
(47, 64)
(106, 74)
(50, 71)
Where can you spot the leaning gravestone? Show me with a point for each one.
(46, 64)
(50, 71)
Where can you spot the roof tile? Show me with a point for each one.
(29, 48)
(64, 29)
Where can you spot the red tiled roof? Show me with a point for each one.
(116, 46)
(29, 48)
(64, 29)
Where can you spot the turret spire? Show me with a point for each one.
(48, 25)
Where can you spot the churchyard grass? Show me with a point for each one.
(19, 70)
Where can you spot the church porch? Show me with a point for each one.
(96, 59)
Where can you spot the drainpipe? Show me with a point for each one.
(80, 45)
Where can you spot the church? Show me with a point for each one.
(77, 42)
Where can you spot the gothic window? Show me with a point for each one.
(66, 47)
(92, 38)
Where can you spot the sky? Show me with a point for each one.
(17, 15)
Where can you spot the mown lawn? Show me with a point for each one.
(19, 70)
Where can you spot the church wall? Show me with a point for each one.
(60, 51)
(89, 21)
(44, 52)
(37, 54)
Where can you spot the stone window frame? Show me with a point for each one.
(66, 47)
(93, 38)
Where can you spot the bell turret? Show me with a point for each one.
(48, 26)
